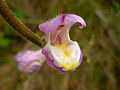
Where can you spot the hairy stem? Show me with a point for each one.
(17, 25)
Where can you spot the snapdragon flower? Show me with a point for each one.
(60, 51)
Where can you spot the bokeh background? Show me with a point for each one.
(99, 41)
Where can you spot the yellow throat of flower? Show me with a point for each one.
(64, 49)
(66, 53)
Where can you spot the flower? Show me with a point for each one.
(62, 53)
(30, 61)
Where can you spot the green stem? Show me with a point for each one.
(17, 25)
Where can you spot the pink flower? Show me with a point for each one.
(61, 53)
(30, 61)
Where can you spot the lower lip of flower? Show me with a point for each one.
(66, 56)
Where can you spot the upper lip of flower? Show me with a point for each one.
(68, 19)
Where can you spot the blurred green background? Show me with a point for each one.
(99, 41)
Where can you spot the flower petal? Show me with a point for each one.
(52, 62)
(56, 27)
(68, 19)
(30, 61)
(52, 25)
(71, 19)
